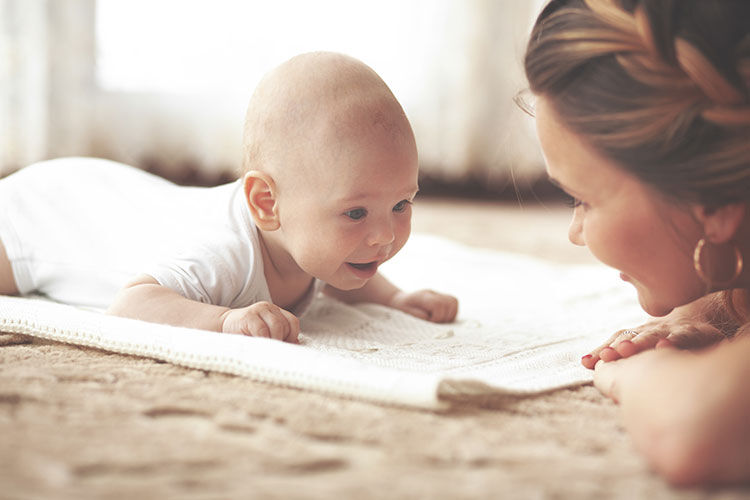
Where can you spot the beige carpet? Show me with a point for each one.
(81, 423)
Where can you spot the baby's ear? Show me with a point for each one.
(260, 193)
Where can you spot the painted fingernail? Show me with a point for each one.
(586, 357)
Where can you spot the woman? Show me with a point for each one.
(643, 113)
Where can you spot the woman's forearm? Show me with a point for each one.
(688, 412)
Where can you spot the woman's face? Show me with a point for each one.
(624, 223)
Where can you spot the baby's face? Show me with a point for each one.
(342, 222)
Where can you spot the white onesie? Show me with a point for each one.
(77, 229)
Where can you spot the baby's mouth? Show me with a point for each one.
(363, 270)
(367, 266)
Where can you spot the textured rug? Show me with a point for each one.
(523, 325)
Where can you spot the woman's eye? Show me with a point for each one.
(356, 214)
(401, 205)
(572, 202)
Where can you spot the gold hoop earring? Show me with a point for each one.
(738, 265)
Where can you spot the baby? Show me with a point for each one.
(330, 173)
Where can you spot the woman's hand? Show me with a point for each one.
(426, 304)
(612, 378)
(262, 319)
(692, 326)
(682, 333)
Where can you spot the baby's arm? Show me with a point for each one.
(425, 304)
(145, 299)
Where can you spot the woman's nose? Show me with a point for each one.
(575, 231)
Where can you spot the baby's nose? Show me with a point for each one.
(382, 234)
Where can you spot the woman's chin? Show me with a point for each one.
(652, 308)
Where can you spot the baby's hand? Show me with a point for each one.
(262, 319)
(659, 333)
(426, 304)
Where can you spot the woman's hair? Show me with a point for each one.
(662, 87)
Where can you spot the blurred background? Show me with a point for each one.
(163, 84)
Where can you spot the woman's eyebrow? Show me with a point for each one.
(560, 185)
(555, 182)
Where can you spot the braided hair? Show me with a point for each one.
(661, 87)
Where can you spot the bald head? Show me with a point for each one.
(313, 105)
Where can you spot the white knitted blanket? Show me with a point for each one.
(523, 325)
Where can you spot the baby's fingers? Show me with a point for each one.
(293, 322)
(440, 308)
(448, 310)
(280, 324)
(263, 319)
(416, 311)
(254, 326)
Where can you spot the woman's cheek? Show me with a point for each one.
(603, 242)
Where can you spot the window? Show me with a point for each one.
(225, 46)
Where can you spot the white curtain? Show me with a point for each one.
(47, 70)
(165, 82)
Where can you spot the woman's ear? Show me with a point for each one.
(720, 225)
(260, 193)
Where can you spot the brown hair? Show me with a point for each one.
(659, 86)
(662, 87)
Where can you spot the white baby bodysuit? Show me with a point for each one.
(77, 229)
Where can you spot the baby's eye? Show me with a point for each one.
(401, 205)
(356, 214)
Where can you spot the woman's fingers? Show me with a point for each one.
(653, 335)
(619, 345)
(695, 336)
(605, 377)
(589, 360)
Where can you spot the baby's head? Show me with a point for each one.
(330, 167)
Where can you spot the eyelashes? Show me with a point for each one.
(572, 202)
(401, 206)
(356, 214)
(361, 213)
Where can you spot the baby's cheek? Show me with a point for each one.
(402, 234)
(399, 243)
